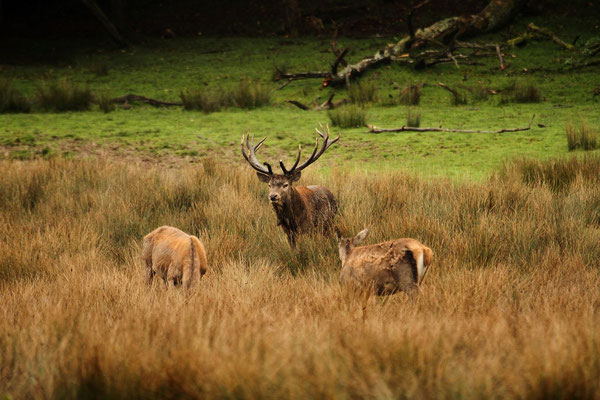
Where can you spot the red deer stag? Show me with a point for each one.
(387, 267)
(299, 209)
(174, 255)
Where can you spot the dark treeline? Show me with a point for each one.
(68, 18)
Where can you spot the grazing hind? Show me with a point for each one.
(175, 256)
(387, 267)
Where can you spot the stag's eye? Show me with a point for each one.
(285, 185)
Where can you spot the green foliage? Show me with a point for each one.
(348, 116)
(11, 100)
(363, 93)
(582, 137)
(63, 95)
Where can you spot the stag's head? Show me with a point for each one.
(280, 184)
(345, 245)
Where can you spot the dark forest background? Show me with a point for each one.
(72, 18)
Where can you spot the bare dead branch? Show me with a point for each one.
(499, 53)
(547, 33)
(326, 105)
(285, 84)
(374, 129)
(298, 104)
(338, 60)
(457, 97)
(302, 75)
(409, 22)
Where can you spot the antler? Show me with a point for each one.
(315, 154)
(251, 156)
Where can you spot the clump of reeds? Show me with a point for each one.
(11, 100)
(583, 136)
(63, 95)
(362, 93)
(348, 116)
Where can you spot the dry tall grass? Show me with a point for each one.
(510, 308)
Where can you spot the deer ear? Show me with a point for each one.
(295, 176)
(360, 237)
(263, 177)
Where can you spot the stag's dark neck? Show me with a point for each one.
(290, 212)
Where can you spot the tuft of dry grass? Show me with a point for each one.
(251, 94)
(520, 93)
(363, 93)
(510, 308)
(248, 94)
(410, 95)
(203, 99)
(63, 95)
(105, 103)
(348, 116)
(11, 100)
(582, 137)
(413, 118)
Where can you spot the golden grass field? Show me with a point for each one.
(509, 309)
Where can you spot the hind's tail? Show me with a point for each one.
(424, 260)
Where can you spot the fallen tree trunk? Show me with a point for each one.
(374, 129)
(495, 15)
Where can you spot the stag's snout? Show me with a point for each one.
(274, 198)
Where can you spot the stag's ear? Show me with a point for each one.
(360, 237)
(295, 175)
(263, 177)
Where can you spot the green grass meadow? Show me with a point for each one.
(162, 69)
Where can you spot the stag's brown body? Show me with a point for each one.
(174, 256)
(309, 208)
(387, 267)
(299, 209)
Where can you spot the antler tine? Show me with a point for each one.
(316, 151)
(251, 156)
(286, 171)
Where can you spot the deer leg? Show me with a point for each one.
(149, 271)
(411, 290)
(291, 240)
(172, 275)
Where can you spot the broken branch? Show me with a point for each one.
(546, 32)
(499, 53)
